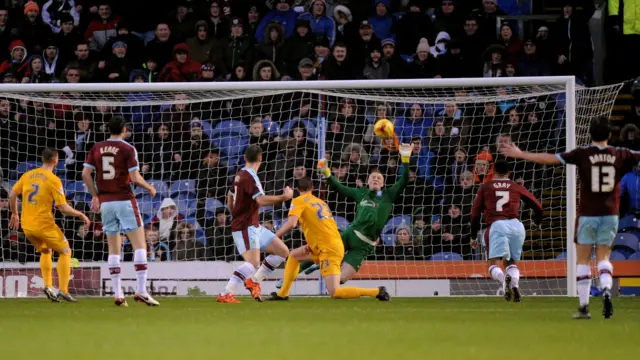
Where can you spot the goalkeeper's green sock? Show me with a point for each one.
(304, 265)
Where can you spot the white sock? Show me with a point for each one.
(270, 263)
(605, 269)
(514, 272)
(496, 273)
(242, 273)
(140, 264)
(113, 262)
(583, 279)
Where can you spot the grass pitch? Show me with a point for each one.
(317, 328)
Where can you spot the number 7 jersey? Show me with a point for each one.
(600, 169)
(113, 160)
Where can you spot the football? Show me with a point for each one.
(383, 129)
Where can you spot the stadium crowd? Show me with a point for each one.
(191, 151)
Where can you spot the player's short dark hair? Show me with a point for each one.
(599, 129)
(48, 155)
(252, 153)
(305, 184)
(116, 125)
(375, 169)
(502, 167)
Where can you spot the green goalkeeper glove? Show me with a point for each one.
(405, 152)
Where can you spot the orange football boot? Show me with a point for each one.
(254, 289)
(227, 298)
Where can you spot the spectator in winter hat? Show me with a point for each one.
(229, 52)
(321, 24)
(182, 68)
(320, 52)
(272, 48)
(297, 46)
(424, 65)
(441, 44)
(377, 67)
(487, 17)
(448, 19)
(118, 65)
(33, 30)
(483, 168)
(306, 70)
(414, 25)
(9, 78)
(253, 20)
(344, 19)
(134, 44)
(510, 41)
(531, 64)
(283, 14)
(360, 47)
(51, 60)
(382, 21)
(103, 28)
(397, 64)
(34, 73)
(200, 44)
(53, 10)
(265, 70)
(17, 64)
(181, 22)
(208, 72)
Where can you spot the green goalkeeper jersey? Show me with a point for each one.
(373, 207)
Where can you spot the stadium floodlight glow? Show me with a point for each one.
(306, 121)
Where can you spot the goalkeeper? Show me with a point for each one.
(374, 205)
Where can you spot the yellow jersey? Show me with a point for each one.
(316, 221)
(39, 188)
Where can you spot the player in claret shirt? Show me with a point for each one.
(600, 168)
(499, 200)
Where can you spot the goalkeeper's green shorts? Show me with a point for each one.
(356, 250)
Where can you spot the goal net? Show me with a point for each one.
(190, 140)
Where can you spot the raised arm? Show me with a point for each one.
(266, 200)
(512, 151)
(405, 158)
(351, 193)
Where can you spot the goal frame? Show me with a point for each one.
(568, 82)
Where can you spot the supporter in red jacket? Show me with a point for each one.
(17, 63)
(182, 68)
(102, 29)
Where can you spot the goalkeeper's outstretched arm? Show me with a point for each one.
(405, 157)
(349, 192)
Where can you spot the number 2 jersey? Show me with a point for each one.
(39, 188)
(600, 169)
(317, 223)
(113, 160)
(499, 199)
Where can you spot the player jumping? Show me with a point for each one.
(40, 189)
(116, 165)
(244, 200)
(374, 205)
(600, 168)
(324, 247)
(504, 236)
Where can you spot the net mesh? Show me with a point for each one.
(190, 145)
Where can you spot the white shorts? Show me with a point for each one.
(120, 216)
(253, 237)
(505, 238)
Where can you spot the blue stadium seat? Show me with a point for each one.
(75, 187)
(200, 234)
(626, 240)
(562, 256)
(207, 129)
(82, 197)
(162, 189)
(342, 223)
(148, 205)
(183, 187)
(311, 128)
(271, 128)
(23, 167)
(635, 256)
(389, 239)
(185, 205)
(230, 128)
(211, 205)
(617, 256)
(60, 170)
(629, 222)
(265, 209)
(446, 256)
(394, 222)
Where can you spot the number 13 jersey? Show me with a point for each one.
(113, 160)
(600, 169)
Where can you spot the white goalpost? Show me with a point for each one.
(190, 138)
